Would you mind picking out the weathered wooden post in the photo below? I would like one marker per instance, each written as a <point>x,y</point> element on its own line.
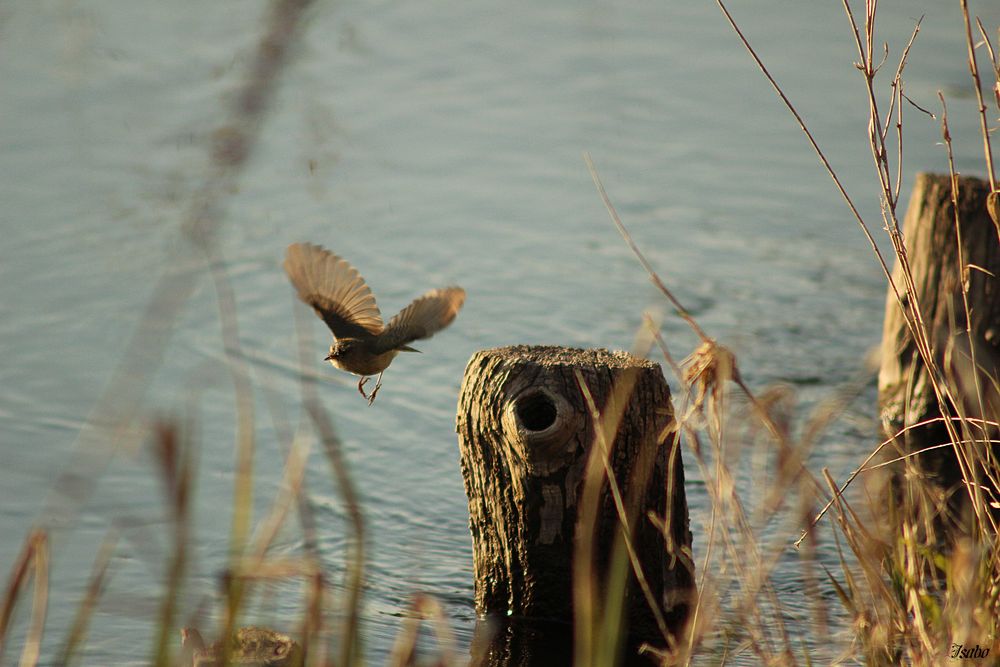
<point>945,253</point>
<point>525,432</point>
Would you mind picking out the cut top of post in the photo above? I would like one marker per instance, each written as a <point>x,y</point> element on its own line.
<point>555,355</point>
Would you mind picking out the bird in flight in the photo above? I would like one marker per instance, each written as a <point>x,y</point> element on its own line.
<point>361,343</point>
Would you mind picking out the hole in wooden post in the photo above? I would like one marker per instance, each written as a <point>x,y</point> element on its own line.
<point>539,423</point>
<point>536,411</point>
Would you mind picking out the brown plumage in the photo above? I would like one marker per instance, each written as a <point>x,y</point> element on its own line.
<point>362,344</point>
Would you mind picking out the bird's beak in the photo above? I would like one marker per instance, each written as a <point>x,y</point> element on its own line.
<point>328,357</point>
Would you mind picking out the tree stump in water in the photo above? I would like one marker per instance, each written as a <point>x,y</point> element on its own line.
<point>943,255</point>
<point>525,432</point>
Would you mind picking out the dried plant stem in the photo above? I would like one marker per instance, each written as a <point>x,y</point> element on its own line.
<point>812,141</point>
<point>404,651</point>
<point>623,518</point>
<point>244,447</point>
<point>914,317</point>
<point>993,62</point>
<point>243,487</point>
<point>970,471</point>
<point>693,438</point>
<point>911,308</point>
<point>39,601</point>
<point>291,489</point>
<point>974,71</point>
<point>32,563</point>
<point>111,422</point>
<point>865,467</point>
<point>922,450</point>
<point>754,577</point>
<point>588,610</point>
<point>351,647</point>
<point>897,99</point>
<point>681,310</point>
<point>752,572</point>
<point>177,470</point>
<point>78,631</point>
<point>332,447</point>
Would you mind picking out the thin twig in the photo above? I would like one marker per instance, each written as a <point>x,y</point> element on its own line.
<point>39,601</point>
<point>897,87</point>
<point>681,310</point>
<point>922,450</point>
<point>98,578</point>
<point>993,61</point>
<point>586,598</point>
<point>974,71</point>
<point>623,518</point>
<point>812,142</point>
<point>839,491</point>
<point>968,470</point>
<point>333,449</point>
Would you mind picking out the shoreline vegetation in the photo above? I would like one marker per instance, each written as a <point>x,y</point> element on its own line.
<point>918,586</point>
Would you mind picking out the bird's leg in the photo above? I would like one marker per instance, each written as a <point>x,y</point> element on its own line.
<point>361,385</point>
<point>378,383</point>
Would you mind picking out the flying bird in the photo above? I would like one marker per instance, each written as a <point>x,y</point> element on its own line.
<point>361,343</point>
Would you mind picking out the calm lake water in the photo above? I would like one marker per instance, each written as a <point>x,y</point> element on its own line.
<point>430,144</point>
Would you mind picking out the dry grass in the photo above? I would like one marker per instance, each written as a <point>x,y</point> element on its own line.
<point>915,589</point>
<point>910,594</point>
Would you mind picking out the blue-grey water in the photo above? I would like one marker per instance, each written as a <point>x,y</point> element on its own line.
<point>430,144</point>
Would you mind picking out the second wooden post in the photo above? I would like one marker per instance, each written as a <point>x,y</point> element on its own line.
<point>953,257</point>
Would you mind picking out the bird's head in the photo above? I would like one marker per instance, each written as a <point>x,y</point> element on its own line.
<point>341,347</point>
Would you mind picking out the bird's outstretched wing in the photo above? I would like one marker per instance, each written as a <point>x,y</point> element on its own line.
<point>423,318</point>
<point>334,289</point>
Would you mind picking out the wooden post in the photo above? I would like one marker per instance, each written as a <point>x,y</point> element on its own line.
<point>967,362</point>
<point>525,432</point>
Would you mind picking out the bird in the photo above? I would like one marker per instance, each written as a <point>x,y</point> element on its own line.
<point>362,345</point>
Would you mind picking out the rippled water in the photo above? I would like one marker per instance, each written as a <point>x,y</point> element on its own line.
<point>429,143</point>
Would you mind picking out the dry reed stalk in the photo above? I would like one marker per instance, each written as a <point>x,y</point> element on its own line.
<point>911,307</point>
<point>234,143</point>
<point>681,310</point>
<point>77,635</point>
<point>877,136</point>
<point>39,603</point>
<point>970,461</point>
<point>917,573</point>
<point>311,628</point>
<point>176,462</point>
<point>351,651</point>
<point>596,628</point>
<point>19,574</point>
<point>637,485</point>
<point>404,650</point>
<point>289,491</point>
<point>812,142</point>
<point>993,61</point>
<point>32,563</point>
<point>974,72</point>
<point>708,370</point>
<point>112,421</point>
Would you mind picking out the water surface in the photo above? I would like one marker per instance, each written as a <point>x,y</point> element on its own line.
<point>429,143</point>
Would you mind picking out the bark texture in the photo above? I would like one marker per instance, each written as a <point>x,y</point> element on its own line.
<point>525,432</point>
<point>967,362</point>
